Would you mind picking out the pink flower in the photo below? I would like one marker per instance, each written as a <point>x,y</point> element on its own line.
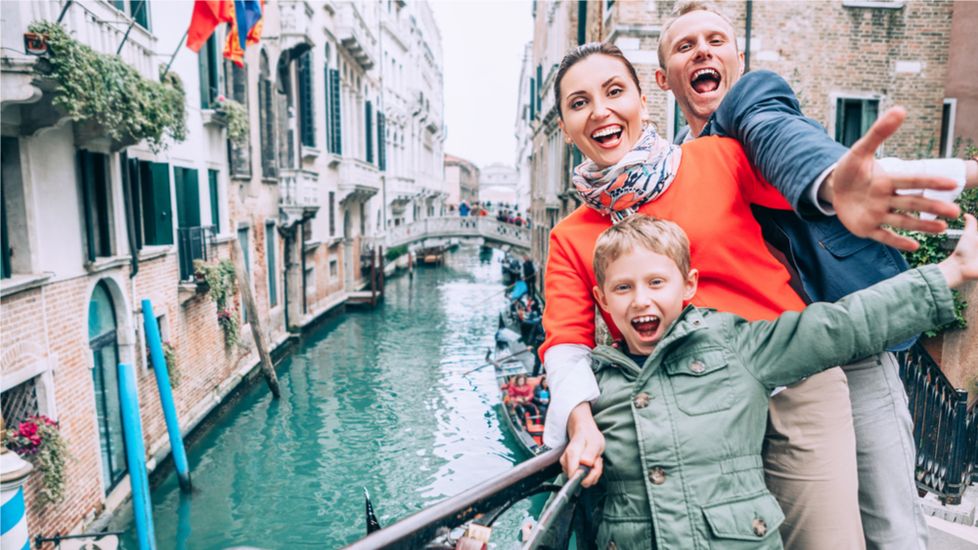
<point>27,429</point>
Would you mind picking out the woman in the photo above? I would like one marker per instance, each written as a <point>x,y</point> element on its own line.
<point>706,186</point>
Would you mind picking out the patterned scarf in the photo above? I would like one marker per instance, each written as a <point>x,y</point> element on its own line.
<point>641,176</point>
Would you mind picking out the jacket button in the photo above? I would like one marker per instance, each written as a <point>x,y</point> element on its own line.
<point>657,475</point>
<point>697,366</point>
<point>641,400</point>
<point>760,527</point>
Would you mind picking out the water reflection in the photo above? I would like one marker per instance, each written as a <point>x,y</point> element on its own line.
<point>371,399</point>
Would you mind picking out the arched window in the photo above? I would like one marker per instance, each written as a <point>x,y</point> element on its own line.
<point>103,340</point>
<point>266,115</point>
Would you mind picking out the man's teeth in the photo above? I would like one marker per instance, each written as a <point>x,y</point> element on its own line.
<point>607,131</point>
<point>702,72</point>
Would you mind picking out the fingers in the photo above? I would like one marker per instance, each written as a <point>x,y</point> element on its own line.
<point>571,459</point>
<point>908,203</point>
<point>890,238</point>
<point>970,223</point>
<point>883,128</point>
<point>595,474</point>
<point>923,182</point>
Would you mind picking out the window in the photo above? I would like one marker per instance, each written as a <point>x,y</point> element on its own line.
<point>209,75</point>
<point>266,119</point>
<point>237,89</point>
<point>363,219</point>
<point>212,187</point>
<point>334,271</point>
<point>853,117</point>
<point>14,230</point>
<point>96,203</point>
<point>20,402</point>
<point>368,130</point>
<point>947,128</point>
<point>103,341</point>
<point>381,142</point>
<point>271,246</point>
<point>581,23</point>
<point>332,214</point>
<point>334,113</point>
<point>137,9</point>
<point>5,270</point>
<point>539,96</point>
<point>149,185</point>
<point>192,236</point>
<point>307,126</point>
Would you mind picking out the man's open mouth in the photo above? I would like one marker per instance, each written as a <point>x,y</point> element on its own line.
<point>646,325</point>
<point>607,134</point>
<point>705,80</point>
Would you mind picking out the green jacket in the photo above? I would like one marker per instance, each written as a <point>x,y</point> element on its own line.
<point>682,465</point>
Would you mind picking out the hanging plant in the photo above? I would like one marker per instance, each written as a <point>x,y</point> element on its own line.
<point>170,357</point>
<point>38,439</point>
<point>237,119</point>
<point>103,89</point>
<point>220,282</point>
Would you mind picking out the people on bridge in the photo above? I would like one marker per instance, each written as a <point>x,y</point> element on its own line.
<point>685,391</point>
<point>708,186</point>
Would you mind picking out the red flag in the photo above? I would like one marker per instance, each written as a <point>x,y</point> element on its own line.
<point>208,14</point>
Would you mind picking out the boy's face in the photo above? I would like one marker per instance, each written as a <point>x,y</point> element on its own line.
<point>644,292</point>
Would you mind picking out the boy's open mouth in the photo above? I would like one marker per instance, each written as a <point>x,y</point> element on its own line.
<point>646,325</point>
<point>705,81</point>
<point>607,135</point>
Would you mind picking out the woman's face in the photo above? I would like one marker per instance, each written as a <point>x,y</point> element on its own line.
<point>602,108</point>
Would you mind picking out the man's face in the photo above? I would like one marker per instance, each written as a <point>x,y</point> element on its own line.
<point>701,64</point>
<point>644,292</point>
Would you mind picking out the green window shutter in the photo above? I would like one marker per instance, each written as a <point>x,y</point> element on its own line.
<point>533,101</point>
<point>215,205</point>
<point>335,112</point>
<point>327,119</point>
<point>271,244</point>
<point>581,22</point>
<point>307,126</point>
<point>207,59</point>
<point>136,200</point>
<point>5,244</point>
<point>95,204</point>
<point>539,96</point>
<point>369,131</point>
<point>157,207</point>
<point>139,11</point>
<point>381,142</point>
<point>188,197</point>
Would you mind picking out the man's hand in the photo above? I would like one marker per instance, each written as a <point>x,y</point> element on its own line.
<point>962,265</point>
<point>585,446</point>
<point>864,195</point>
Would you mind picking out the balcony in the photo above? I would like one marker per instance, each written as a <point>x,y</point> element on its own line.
<point>298,195</point>
<point>355,35</point>
<point>358,180</point>
<point>296,22</point>
<point>194,243</point>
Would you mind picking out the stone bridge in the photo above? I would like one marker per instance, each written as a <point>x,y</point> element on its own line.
<point>490,229</point>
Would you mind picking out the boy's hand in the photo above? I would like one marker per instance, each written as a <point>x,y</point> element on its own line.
<point>585,446</point>
<point>962,265</point>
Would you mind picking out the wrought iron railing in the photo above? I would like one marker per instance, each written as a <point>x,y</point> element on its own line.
<point>193,243</point>
<point>945,430</point>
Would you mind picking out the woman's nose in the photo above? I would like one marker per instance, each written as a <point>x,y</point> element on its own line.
<point>599,109</point>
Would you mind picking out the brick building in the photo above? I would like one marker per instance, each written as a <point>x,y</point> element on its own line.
<point>92,226</point>
<point>847,60</point>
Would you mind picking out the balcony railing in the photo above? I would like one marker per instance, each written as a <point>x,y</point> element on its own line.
<point>355,35</point>
<point>945,431</point>
<point>194,243</point>
<point>298,188</point>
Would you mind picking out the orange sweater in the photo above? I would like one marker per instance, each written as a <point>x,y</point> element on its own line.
<point>710,199</point>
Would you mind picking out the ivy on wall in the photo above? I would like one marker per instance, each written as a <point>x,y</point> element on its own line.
<point>105,90</point>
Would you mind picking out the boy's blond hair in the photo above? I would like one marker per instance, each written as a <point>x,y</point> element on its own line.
<point>659,236</point>
<point>681,8</point>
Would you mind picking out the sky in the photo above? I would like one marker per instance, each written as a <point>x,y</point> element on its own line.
<point>482,45</point>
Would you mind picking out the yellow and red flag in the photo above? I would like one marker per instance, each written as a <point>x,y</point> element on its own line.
<point>246,15</point>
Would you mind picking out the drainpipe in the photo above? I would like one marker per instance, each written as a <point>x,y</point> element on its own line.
<point>747,27</point>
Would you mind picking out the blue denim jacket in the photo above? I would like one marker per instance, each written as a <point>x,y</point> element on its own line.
<point>791,151</point>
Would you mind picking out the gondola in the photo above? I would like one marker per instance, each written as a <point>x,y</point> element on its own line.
<point>512,269</point>
<point>511,358</point>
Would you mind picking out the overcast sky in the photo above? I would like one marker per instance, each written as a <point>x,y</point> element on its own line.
<point>482,43</point>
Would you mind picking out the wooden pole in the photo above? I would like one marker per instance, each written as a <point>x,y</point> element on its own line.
<point>248,301</point>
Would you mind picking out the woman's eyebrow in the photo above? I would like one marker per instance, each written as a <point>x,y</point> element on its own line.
<point>603,85</point>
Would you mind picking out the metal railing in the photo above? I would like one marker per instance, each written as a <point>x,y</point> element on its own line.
<point>945,431</point>
<point>193,243</point>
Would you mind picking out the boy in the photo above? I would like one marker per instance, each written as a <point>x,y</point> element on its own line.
<point>683,403</point>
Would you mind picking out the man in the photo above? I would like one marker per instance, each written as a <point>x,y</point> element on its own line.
<point>806,463</point>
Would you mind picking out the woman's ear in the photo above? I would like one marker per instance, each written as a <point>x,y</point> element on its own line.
<point>563,130</point>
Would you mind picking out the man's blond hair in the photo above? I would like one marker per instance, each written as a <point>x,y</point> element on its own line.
<point>681,8</point>
<point>659,236</point>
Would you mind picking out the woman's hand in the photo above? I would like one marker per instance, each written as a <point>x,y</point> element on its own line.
<point>585,446</point>
<point>962,265</point>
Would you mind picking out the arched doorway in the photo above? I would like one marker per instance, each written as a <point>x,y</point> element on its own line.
<point>104,342</point>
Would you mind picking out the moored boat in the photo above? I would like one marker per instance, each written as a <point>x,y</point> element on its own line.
<point>512,359</point>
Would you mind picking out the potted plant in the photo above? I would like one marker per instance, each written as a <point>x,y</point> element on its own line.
<point>38,439</point>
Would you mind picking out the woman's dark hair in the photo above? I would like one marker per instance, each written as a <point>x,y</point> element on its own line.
<point>581,53</point>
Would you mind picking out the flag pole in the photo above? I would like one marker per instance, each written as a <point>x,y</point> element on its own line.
<point>175,52</point>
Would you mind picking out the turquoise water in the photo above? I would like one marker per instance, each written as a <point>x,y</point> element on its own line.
<point>373,398</point>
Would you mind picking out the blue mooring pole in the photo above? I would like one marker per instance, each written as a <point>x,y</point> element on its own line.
<point>155,345</point>
<point>136,458</point>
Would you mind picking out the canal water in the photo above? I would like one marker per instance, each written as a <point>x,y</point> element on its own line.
<point>372,399</point>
